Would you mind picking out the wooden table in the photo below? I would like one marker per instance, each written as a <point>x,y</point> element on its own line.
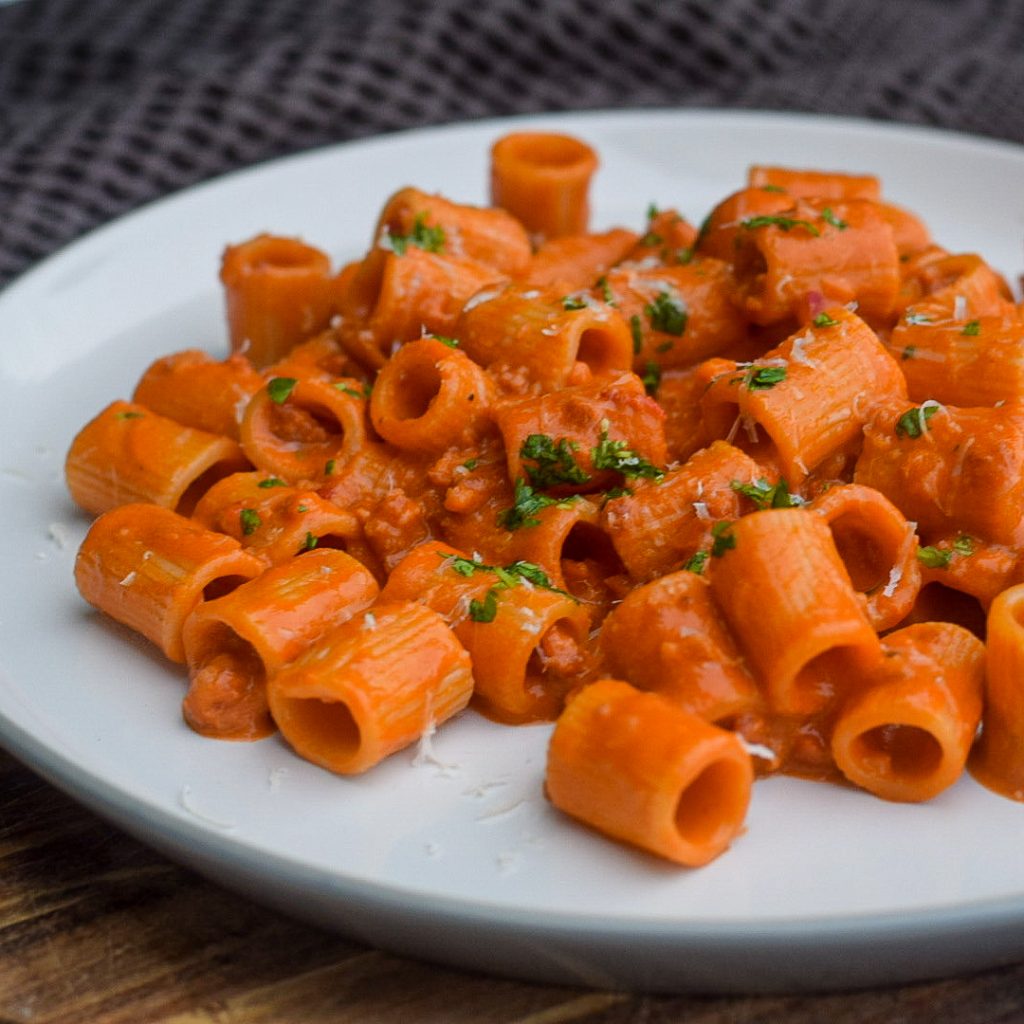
<point>96,927</point>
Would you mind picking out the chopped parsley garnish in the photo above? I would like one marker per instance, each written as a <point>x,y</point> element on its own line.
<point>429,239</point>
<point>651,377</point>
<point>784,223</point>
<point>606,290</point>
<point>830,218</point>
<point>761,378</point>
<point>471,464</point>
<point>908,352</point>
<point>464,566</point>
<point>526,503</point>
<point>128,414</point>
<point>685,256</point>
<point>912,422</point>
<point>572,302</point>
<point>964,545</point>
<point>637,331</point>
<point>652,238</point>
<point>824,320</point>
<point>696,562</point>
<point>508,576</point>
<point>555,462</point>
<point>250,520</point>
<point>280,388</point>
<point>445,340</point>
<point>311,541</point>
<point>652,211</point>
<point>772,188</point>
<point>934,558</point>
<point>618,456</point>
<point>724,539</point>
<point>616,492</point>
<point>329,466</point>
<point>766,495</point>
<point>365,393</point>
<point>972,328</point>
<point>667,314</point>
<point>485,610</point>
<point>273,481</point>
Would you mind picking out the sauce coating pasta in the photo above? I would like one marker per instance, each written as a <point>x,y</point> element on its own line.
<point>718,503</point>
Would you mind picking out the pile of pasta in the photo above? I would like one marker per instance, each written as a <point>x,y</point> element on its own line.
<point>718,502</point>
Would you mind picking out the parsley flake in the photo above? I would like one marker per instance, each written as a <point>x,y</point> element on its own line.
<point>772,188</point>
<point>934,558</point>
<point>667,314</point>
<point>471,464</point>
<point>908,352</point>
<point>280,388</point>
<point>972,328</point>
<point>830,218</point>
<point>485,610</point>
<point>329,466</point>
<point>129,415</point>
<point>606,290</point>
<point>272,481</point>
<point>824,320</point>
<point>250,520</point>
<point>696,562</point>
<point>311,541</point>
<point>429,239</point>
<point>618,456</point>
<point>445,340</point>
<point>964,545</point>
<point>762,378</point>
<point>783,223</point>
<point>766,495</point>
<point>724,539</point>
<point>651,377</point>
<point>637,331</point>
<point>526,503</point>
<point>573,302</point>
<point>555,462</point>
<point>912,423</point>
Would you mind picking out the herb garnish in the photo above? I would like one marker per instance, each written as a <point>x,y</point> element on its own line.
<point>250,520</point>
<point>618,456</point>
<point>913,422</point>
<point>555,462</point>
<point>724,539</point>
<point>280,388</point>
<point>429,239</point>
<point>667,314</point>
<point>784,223</point>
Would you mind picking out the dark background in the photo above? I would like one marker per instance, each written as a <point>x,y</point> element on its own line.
<point>105,104</point>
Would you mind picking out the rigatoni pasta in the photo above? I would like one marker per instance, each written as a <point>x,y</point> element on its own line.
<point>718,503</point>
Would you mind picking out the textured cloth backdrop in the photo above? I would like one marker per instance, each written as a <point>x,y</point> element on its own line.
<point>105,104</point>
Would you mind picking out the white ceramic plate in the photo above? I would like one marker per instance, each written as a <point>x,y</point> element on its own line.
<point>458,858</point>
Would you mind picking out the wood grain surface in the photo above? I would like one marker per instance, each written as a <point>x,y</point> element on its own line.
<point>95,927</point>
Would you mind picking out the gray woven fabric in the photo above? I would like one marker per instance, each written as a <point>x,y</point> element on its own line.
<point>106,104</point>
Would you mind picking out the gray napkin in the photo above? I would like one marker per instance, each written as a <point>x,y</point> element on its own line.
<point>105,104</point>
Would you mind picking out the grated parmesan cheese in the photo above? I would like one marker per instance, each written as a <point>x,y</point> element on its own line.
<point>895,575</point>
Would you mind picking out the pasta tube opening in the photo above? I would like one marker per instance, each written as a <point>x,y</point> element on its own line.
<point>293,428</point>
<point>227,696</point>
<point>600,349</point>
<point>896,749</point>
<point>329,730</point>
<point>712,806</point>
